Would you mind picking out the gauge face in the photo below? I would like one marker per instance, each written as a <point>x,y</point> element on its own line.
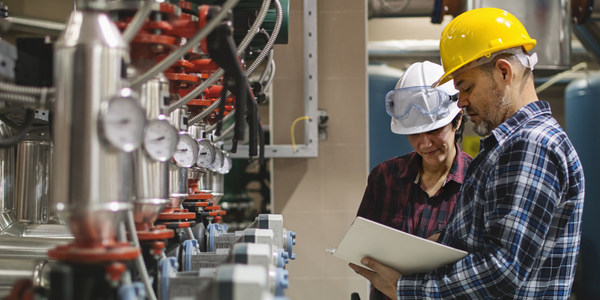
<point>122,123</point>
<point>227,163</point>
<point>187,151</point>
<point>218,164</point>
<point>206,154</point>
<point>160,139</point>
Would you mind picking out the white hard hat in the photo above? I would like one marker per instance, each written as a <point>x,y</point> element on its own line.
<point>415,107</point>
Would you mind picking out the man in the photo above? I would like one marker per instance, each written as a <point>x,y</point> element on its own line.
<point>519,210</point>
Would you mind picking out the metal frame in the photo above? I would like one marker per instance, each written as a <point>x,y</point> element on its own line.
<point>310,148</point>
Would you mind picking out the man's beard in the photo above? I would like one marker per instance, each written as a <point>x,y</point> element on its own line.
<point>495,114</point>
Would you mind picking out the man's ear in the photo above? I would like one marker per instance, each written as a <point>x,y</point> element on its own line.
<point>506,70</point>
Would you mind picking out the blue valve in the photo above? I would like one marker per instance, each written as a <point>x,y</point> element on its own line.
<point>291,241</point>
<point>190,248</point>
<point>132,291</point>
<point>281,281</point>
<point>214,230</point>
<point>282,258</point>
<point>166,265</point>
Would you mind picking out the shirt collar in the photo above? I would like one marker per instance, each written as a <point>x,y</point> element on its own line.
<point>527,112</point>
<point>457,171</point>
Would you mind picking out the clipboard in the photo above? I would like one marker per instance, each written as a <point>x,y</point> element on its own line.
<point>404,252</point>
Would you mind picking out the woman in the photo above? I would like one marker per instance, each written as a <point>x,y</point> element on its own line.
<point>416,192</point>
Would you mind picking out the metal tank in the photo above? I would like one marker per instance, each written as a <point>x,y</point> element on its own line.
<point>178,177</point>
<point>33,181</point>
<point>151,176</point>
<point>218,186</point>
<point>581,109</point>
<point>383,143</point>
<point>88,178</point>
<point>549,22</point>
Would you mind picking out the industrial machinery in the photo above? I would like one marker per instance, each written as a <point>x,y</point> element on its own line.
<point>112,158</point>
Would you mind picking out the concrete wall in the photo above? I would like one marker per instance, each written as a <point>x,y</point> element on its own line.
<point>319,197</point>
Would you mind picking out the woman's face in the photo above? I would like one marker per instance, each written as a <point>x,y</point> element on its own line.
<point>434,146</point>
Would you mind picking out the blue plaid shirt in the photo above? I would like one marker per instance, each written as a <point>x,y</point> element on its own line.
<point>518,216</point>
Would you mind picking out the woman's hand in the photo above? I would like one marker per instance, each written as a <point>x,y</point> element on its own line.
<point>434,237</point>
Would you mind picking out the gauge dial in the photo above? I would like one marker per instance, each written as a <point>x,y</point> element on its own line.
<point>122,123</point>
<point>218,164</point>
<point>227,163</point>
<point>160,139</point>
<point>206,154</point>
<point>187,151</point>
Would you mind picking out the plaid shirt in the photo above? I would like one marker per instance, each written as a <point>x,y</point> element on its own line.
<point>394,196</point>
<point>518,217</point>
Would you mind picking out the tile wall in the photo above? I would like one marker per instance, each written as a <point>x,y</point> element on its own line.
<point>319,197</point>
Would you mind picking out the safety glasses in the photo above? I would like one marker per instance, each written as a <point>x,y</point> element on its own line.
<point>410,102</point>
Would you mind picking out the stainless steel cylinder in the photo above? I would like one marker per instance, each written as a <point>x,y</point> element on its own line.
<point>7,182</point>
<point>396,8</point>
<point>47,231</point>
<point>205,184</point>
<point>549,22</point>
<point>7,173</point>
<point>28,248</point>
<point>218,190</point>
<point>88,179</point>
<point>151,176</point>
<point>12,270</point>
<point>33,181</point>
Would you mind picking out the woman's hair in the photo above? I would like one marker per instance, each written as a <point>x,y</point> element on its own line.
<point>461,127</point>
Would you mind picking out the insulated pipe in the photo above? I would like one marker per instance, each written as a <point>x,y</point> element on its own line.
<point>12,247</point>
<point>7,174</point>
<point>12,270</point>
<point>33,181</point>
<point>414,8</point>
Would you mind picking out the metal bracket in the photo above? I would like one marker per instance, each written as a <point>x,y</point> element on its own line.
<point>310,148</point>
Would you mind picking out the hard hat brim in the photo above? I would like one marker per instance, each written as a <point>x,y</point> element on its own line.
<point>450,74</point>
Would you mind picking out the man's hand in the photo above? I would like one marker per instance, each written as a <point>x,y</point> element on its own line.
<point>384,278</point>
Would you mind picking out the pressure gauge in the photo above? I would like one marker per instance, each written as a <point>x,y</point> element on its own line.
<point>227,163</point>
<point>187,151</point>
<point>218,164</point>
<point>122,122</point>
<point>160,139</point>
<point>206,154</point>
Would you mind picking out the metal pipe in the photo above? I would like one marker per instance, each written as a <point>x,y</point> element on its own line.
<point>87,174</point>
<point>178,177</point>
<point>7,174</point>
<point>419,8</point>
<point>33,181</point>
<point>12,247</point>
<point>138,21</point>
<point>193,42</point>
<point>12,270</point>
<point>217,75</point>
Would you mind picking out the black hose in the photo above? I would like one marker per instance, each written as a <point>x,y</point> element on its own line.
<point>22,131</point>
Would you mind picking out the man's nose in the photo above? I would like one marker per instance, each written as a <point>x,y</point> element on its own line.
<point>463,100</point>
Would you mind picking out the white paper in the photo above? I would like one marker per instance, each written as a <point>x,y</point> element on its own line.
<point>404,252</point>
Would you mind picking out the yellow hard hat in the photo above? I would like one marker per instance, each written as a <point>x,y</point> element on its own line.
<point>478,33</point>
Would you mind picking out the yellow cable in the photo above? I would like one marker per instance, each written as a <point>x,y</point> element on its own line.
<point>294,125</point>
